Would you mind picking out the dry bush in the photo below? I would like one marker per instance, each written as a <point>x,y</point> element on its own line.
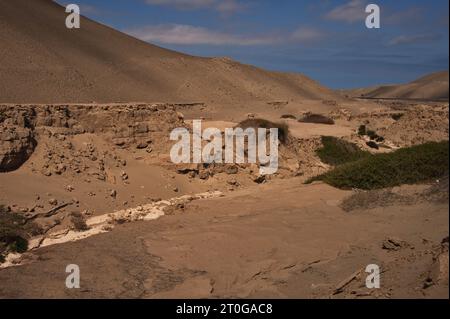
<point>288,116</point>
<point>316,119</point>
<point>365,200</point>
<point>283,128</point>
<point>439,191</point>
<point>78,221</point>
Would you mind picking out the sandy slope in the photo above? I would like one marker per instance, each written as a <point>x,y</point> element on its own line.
<point>43,61</point>
<point>430,87</point>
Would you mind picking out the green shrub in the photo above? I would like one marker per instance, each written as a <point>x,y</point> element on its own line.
<point>12,236</point>
<point>410,165</point>
<point>14,232</point>
<point>336,151</point>
<point>18,244</point>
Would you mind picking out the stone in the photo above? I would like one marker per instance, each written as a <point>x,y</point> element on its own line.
<point>393,244</point>
<point>59,169</point>
<point>141,128</point>
<point>203,175</point>
<point>187,169</point>
<point>142,145</point>
<point>372,144</point>
<point>231,169</point>
<point>260,179</point>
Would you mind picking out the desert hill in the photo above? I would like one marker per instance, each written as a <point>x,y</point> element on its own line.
<point>429,87</point>
<point>44,62</point>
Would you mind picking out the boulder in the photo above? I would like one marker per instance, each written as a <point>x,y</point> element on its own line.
<point>231,169</point>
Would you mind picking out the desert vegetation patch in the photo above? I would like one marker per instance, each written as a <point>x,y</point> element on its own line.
<point>410,165</point>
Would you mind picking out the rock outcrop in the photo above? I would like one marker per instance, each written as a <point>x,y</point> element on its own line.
<point>16,146</point>
<point>22,127</point>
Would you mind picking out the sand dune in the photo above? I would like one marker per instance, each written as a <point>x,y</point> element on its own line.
<point>430,87</point>
<point>44,62</point>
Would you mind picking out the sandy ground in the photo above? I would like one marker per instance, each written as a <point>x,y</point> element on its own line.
<point>284,240</point>
<point>278,239</point>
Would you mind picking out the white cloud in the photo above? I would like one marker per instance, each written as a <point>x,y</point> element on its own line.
<point>412,39</point>
<point>410,16</point>
<point>351,12</point>
<point>230,6</point>
<point>191,35</point>
<point>186,34</point>
<point>306,34</point>
<point>222,6</point>
<point>84,8</point>
<point>88,9</point>
<point>183,4</point>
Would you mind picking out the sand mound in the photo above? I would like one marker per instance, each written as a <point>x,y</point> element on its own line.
<point>430,87</point>
<point>44,62</point>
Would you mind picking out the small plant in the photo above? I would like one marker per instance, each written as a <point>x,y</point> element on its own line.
<point>362,130</point>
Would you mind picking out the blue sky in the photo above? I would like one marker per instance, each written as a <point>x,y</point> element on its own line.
<point>324,39</point>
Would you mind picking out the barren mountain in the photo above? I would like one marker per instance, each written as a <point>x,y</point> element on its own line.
<point>430,87</point>
<point>44,62</point>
